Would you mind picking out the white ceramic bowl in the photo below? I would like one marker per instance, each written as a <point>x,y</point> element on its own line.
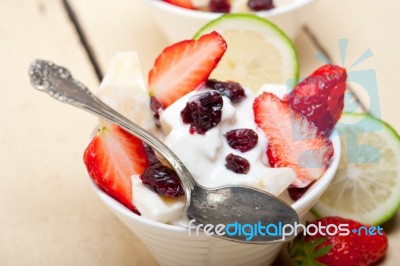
<point>179,23</point>
<point>171,245</point>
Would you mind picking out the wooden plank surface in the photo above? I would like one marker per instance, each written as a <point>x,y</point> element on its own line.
<point>121,25</point>
<point>48,213</point>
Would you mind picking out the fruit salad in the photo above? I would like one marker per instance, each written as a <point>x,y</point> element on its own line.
<point>228,6</point>
<point>224,132</point>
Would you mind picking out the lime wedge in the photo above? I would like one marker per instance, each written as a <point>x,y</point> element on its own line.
<point>258,51</point>
<point>366,187</point>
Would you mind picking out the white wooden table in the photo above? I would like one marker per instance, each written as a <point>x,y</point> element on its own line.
<point>48,213</point>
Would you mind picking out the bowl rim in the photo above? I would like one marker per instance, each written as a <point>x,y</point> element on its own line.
<point>312,194</point>
<point>209,15</point>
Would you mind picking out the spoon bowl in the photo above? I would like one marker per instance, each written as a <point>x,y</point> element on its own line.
<point>239,208</point>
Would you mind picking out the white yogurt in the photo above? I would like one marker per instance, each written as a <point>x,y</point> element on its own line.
<point>208,151</point>
<point>155,207</point>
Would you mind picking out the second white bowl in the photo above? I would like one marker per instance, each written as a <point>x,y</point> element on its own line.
<point>180,24</point>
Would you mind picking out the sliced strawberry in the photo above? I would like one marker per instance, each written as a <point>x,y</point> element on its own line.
<point>320,97</point>
<point>111,158</point>
<point>331,245</point>
<point>184,67</point>
<point>181,3</point>
<point>293,141</point>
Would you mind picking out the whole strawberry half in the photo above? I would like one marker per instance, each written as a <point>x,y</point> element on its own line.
<point>181,3</point>
<point>356,249</point>
<point>111,158</point>
<point>293,141</point>
<point>320,97</point>
<point>184,67</point>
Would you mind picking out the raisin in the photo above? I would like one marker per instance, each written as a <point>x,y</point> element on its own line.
<point>296,193</point>
<point>243,139</point>
<point>237,164</point>
<point>220,6</point>
<point>233,90</point>
<point>203,112</point>
<point>259,5</point>
<point>163,180</point>
<point>156,107</point>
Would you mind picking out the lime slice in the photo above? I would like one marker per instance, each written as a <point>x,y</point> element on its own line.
<point>258,51</point>
<point>366,187</point>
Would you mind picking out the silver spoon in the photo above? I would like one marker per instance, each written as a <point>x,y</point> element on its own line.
<point>230,206</point>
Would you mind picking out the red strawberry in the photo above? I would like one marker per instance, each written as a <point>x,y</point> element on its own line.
<point>320,97</point>
<point>181,3</point>
<point>359,248</point>
<point>111,158</point>
<point>293,141</point>
<point>184,67</point>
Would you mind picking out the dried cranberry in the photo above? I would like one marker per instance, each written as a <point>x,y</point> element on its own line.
<point>259,5</point>
<point>220,6</point>
<point>233,90</point>
<point>296,193</point>
<point>150,154</point>
<point>156,107</point>
<point>203,112</point>
<point>237,164</point>
<point>163,180</point>
<point>243,139</point>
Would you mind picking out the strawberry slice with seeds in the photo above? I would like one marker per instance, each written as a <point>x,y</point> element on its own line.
<point>335,247</point>
<point>111,158</point>
<point>184,67</point>
<point>293,141</point>
<point>182,3</point>
<point>320,97</point>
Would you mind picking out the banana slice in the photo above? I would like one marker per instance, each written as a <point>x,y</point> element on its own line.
<point>124,89</point>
